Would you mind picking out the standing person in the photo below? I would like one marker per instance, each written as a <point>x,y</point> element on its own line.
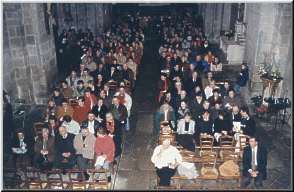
<point>166,158</point>
<point>84,143</point>
<point>242,78</point>
<point>119,111</point>
<point>254,163</point>
<point>114,128</point>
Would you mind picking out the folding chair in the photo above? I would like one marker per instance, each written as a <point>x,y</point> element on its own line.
<point>11,180</point>
<point>98,184</point>
<point>227,152</point>
<point>33,179</point>
<point>206,144</point>
<point>55,180</point>
<point>77,179</point>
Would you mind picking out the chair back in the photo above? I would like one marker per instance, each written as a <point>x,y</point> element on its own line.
<point>206,143</point>
<point>226,141</point>
<point>96,183</point>
<point>54,179</point>
<point>112,85</point>
<point>11,180</point>
<point>33,179</point>
<point>77,179</point>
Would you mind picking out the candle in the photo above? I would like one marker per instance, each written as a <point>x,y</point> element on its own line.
<point>165,115</point>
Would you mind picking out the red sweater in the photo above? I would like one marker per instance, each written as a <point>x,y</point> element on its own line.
<point>88,101</point>
<point>80,114</point>
<point>105,145</point>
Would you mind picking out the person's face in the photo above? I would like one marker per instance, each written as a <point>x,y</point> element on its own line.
<point>115,101</point>
<point>51,122</point>
<point>56,93</point>
<point>198,58</point>
<point>162,77</point>
<point>226,85</point>
<point>166,144</point>
<point>215,94</point>
<point>87,94</point>
<point>82,66</point>
<point>205,115</point>
<point>64,85</point>
<point>209,75</point>
<point>81,85</point>
<point>20,135</point>
<point>51,103</point>
<point>220,116</point>
<point>183,105</point>
<point>235,109</point>
<point>231,94</point>
<point>45,133</point>
<point>187,118</point>
<point>183,94</point>
<point>206,105</point>
<point>64,104</point>
<point>243,113</point>
<point>91,117</point>
<point>62,131</point>
<point>252,142</point>
<point>81,102</point>
<point>73,74</point>
<point>100,102</point>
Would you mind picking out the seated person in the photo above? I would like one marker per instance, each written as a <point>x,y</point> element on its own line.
<point>71,125</point>
<point>216,65</point>
<point>57,97</point>
<point>104,151</point>
<point>215,98</point>
<point>185,132</point>
<point>100,110</point>
<point>225,88</point>
<point>52,126</point>
<point>44,151</point>
<point>206,123</point>
<point>90,99</point>
<point>84,143</point>
<point>221,125</point>
<point>72,80</point>
<point>65,157</point>
<point>81,111</point>
<point>22,150</point>
<point>79,89</point>
<point>208,91</point>
<point>196,106</point>
<point>247,122</point>
<point>183,110</point>
<point>51,110</point>
<point>63,110</point>
<point>66,91</point>
<point>166,158</point>
<point>231,100</point>
<point>234,114</point>
<point>91,123</point>
<point>164,113</point>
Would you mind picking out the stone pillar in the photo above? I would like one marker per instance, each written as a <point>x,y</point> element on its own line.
<point>29,53</point>
<point>269,33</point>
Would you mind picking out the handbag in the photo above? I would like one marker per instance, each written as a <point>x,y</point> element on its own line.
<point>210,172</point>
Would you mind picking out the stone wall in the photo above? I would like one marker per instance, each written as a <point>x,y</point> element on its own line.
<point>83,15</point>
<point>269,40</point>
<point>29,63</point>
<point>217,17</point>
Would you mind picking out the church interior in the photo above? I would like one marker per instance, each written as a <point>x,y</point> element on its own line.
<point>147,96</point>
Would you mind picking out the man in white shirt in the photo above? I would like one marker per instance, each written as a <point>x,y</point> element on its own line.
<point>166,158</point>
<point>71,125</point>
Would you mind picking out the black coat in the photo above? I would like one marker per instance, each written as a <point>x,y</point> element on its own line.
<point>261,160</point>
<point>222,125</point>
<point>102,112</point>
<point>64,145</point>
<point>96,125</point>
<point>249,128</point>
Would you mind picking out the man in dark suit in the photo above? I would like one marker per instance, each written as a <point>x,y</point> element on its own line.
<point>119,111</point>
<point>247,122</point>
<point>91,123</point>
<point>193,82</point>
<point>254,163</point>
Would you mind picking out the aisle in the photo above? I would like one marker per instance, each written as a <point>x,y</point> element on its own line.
<point>135,170</point>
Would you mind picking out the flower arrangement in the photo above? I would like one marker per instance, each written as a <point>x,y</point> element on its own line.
<point>269,71</point>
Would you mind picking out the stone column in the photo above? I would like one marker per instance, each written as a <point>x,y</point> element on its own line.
<point>29,54</point>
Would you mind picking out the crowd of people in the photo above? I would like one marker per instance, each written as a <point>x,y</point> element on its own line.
<point>191,95</point>
<point>89,110</point>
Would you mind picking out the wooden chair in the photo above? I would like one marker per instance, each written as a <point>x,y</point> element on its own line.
<point>112,85</point>
<point>208,162</point>
<point>73,103</point>
<point>38,126</point>
<point>55,180</point>
<point>77,179</point>
<point>206,144</point>
<point>98,184</point>
<point>227,152</point>
<point>33,179</point>
<point>243,142</point>
<point>11,180</point>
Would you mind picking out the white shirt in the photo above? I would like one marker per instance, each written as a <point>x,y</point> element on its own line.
<point>72,127</point>
<point>91,127</point>
<point>182,124</point>
<point>255,151</point>
<point>208,92</point>
<point>165,157</point>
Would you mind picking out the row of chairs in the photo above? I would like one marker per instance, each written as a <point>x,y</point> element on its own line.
<point>32,178</point>
<point>209,155</point>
